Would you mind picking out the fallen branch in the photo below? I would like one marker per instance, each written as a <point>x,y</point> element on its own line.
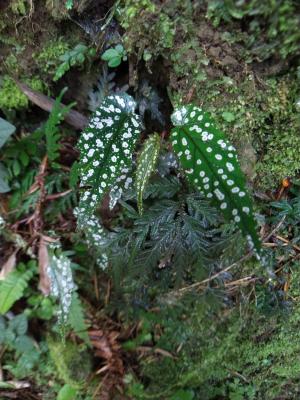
<point>73,118</point>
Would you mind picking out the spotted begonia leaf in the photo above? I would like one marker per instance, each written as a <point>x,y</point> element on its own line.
<point>61,280</point>
<point>95,236</point>
<point>106,147</point>
<point>210,163</point>
<point>145,166</point>
<point>123,182</point>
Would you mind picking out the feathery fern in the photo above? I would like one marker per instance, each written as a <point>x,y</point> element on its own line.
<point>76,318</point>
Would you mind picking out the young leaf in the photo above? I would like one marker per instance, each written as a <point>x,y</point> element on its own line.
<point>146,165</point>
<point>106,147</point>
<point>211,164</point>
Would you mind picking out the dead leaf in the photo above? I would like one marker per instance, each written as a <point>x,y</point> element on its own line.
<point>17,385</point>
<point>44,281</point>
<point>9,265</point>
<point>107,348</point>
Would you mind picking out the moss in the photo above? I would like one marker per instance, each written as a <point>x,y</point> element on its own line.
<point>11,97</point>
<point>73,365</point>
<point>206,62</point>
<point>48,59</point>
<point>222,353</point>
<point>19,7</point>
<point>57,9</point>
<point>149,30</point>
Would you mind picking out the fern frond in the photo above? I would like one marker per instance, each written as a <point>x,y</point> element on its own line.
<point>104,87</point>
<point>211,164</point>
<point>12,288</point>
<point>146,165</point>
<point>76,319</point>
<point>51,129</point>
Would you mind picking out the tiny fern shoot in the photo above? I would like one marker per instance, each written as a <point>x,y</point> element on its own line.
<point>210,163</point>
<point>106,148</point>
<point>146,165</point>
<point>51,129</point>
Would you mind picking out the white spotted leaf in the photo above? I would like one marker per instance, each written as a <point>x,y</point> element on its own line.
<point>211,165</point>
<point>146,165</point>
<point>123,183</point>
<point>106,147</point>
<point>61,281</point>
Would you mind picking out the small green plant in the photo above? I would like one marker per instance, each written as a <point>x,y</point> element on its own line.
<point>14,338</point>
<point>114,56</point>
<point>69,4</point>
<point>51,128</point>
<point>208,160</point>
<point>72,58</point>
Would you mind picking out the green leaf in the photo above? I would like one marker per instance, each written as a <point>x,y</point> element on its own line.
<point>106,148</point>
<point>67,392</point>
<point>109,54</point>
<point>69,4</point>
<point>76,318</point>
<point>114,62</point>
<point>12,288</point>
<point>3,177</point>
<point>120,49</point>
<point>146,165</point>
<point>228,116</point>
<point>210,163</point>
<point>6,130</point>
<point>19,324</point>
<point>183,395</point>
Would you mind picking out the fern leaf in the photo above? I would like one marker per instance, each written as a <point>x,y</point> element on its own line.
<point>104,87</point>
<point>146,165</point>
<point>76,319</point>
<point>106,148</point>
<point>51,129</point>
<point>12,288</point>
<point>211,164</point>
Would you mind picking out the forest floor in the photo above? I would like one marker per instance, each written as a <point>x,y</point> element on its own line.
<point>154,295</point>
